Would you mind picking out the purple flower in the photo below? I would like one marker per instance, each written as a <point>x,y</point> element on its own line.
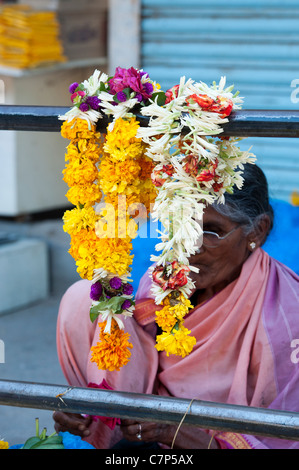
<point>126,304</point>
<point>96,291</point>
<point>121,96</point>
<point>84,107</point>
<point>128,289</point>
<point>148,88</point>
<point>139,97</point>
<point>115,283</point>
<point>142,73</point>
<point>93,102</point>
<point>73,87</point>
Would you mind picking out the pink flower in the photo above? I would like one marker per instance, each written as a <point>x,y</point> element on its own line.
<point>76,97</point>
<point>130,78</point>
<point>110,422</point>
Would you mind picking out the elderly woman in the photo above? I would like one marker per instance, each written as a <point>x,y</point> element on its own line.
<point>244,320</point>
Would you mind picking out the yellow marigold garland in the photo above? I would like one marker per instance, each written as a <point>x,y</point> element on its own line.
<point>101,238</point>
<point>81,175</point>
<point>119,171</point>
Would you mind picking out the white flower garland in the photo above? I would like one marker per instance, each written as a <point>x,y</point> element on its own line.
<point>180,192</point>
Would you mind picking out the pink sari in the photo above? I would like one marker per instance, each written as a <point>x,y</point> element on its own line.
<point>243,353</point>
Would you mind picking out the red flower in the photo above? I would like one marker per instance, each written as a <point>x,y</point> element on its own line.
<point>191,165</point>
<point>110,422</point>
<point>204,101</point>
<point>157,176</point>
<point>159,277</point>
<point>207,174</point>
<point>217,186</point>
<point>171,278</point>
<point>178,277</point>
<point>168,169</point>
<point>220,105</point>
<point>172,93</point>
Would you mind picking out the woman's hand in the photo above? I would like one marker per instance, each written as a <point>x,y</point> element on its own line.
<point>71,422</point>
<point>188,437</point>
<point>149,432</point>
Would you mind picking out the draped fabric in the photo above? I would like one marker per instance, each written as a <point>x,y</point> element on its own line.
<point>244,352</point>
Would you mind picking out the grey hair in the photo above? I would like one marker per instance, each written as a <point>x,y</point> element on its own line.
<point>248,205</point>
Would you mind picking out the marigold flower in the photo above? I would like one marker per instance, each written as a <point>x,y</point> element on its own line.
<point>81,194</point>
<point>78,219</point>
<point>178,342</point>
<point>146,167</point>
<point>112,352</point>
<point>77,128</point>
<point>80,172</point>
<point>4,445</point>
<point>165,319</point>
<point>121,143</point>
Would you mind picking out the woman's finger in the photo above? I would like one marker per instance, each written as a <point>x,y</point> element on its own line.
<point>73,423</point>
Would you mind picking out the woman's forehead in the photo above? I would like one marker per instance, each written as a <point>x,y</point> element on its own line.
<point>212,216</point>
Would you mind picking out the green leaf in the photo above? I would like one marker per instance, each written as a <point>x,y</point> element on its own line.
<point>161,97</point>
<point>31,442</point>
<point>51,446</point>
<point>53,442</point>
<point>114,304</point>
<point>102,87</point>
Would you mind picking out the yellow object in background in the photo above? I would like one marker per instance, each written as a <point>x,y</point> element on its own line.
<point>295,198</point>
<point>29,38</point>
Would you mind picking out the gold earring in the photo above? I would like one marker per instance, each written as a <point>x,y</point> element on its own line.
<point>252,245</point>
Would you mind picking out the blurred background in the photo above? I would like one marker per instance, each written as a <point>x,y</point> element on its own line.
<point>45,45</point>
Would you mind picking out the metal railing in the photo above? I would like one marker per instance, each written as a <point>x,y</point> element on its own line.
<point>245,123</point>
<point>210,415</point>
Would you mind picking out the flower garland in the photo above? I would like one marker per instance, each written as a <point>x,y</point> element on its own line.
<point>162,169</point>
<point>101,234</point>
<point>198,172</point>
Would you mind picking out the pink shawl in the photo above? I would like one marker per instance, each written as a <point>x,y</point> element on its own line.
<point>243,353</point>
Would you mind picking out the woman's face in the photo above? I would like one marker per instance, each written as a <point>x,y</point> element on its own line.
<point>220,266</point>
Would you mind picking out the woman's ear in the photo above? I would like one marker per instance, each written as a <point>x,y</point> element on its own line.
<point>258,236</point>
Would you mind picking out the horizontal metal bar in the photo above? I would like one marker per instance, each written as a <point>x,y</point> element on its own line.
<point>244,123</point>
<point>207,415</point>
